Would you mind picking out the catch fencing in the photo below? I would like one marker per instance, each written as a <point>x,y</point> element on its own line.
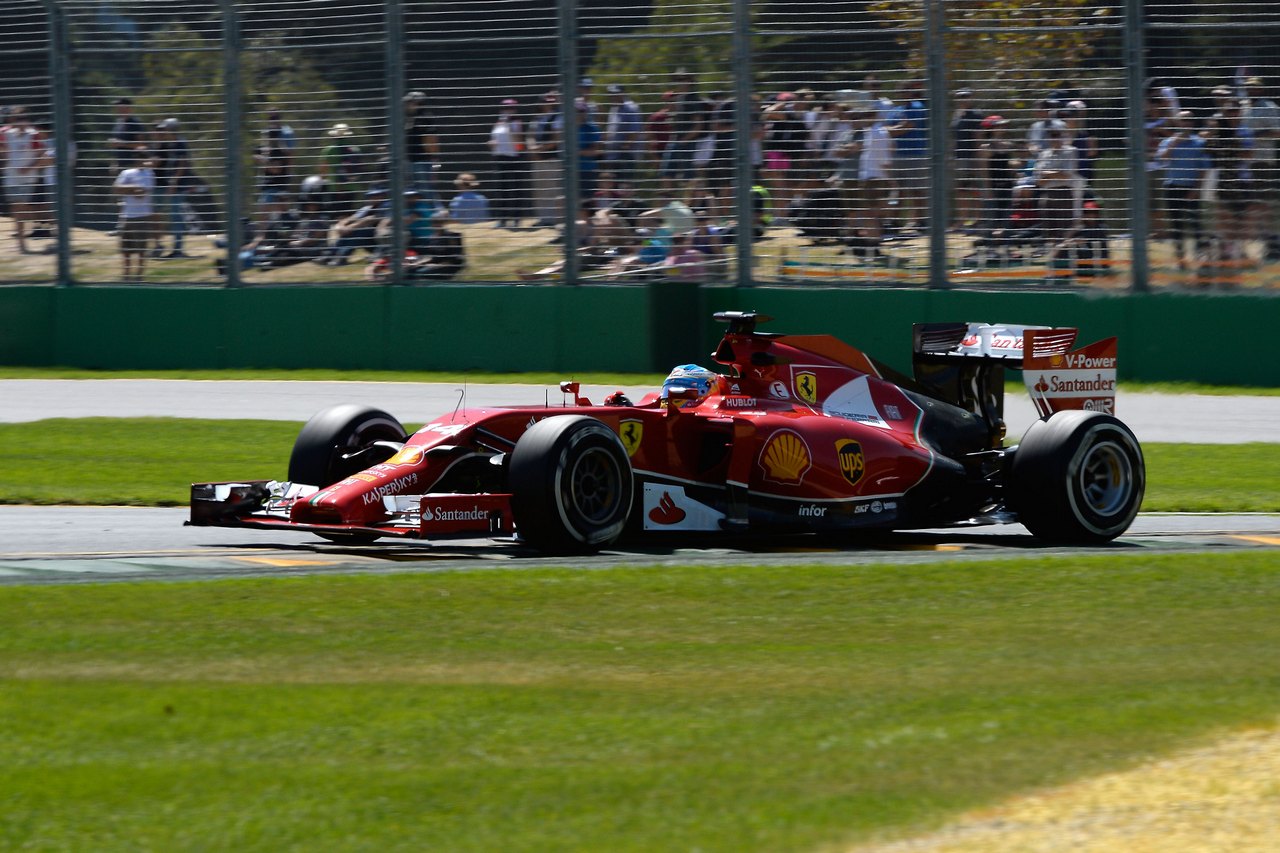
<point>1065,144</point>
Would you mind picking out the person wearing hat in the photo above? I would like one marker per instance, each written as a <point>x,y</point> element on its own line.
<point>422,144</point>
<point>506,147</point>
<point>343,168</point>
<point>1057,173</point>
<point>134,187</point>
<point>1262,117</point>
<point>173,179</point>
<point>468,206</point>
<point>909,126</point>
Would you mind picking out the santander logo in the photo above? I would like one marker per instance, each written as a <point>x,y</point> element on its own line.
<point>666,512</point>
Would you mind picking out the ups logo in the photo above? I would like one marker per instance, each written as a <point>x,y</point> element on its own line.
<point>852,463</point>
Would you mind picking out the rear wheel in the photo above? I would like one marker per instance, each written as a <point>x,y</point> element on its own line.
<point>1078,478</point>
<point>571,485</point>
<point>339,442</point>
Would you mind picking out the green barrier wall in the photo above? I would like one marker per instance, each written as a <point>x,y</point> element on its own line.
<point>1221,339</point>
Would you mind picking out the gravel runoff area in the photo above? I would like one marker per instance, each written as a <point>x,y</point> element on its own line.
<point>1221,797</point>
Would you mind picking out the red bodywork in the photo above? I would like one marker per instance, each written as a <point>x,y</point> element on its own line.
<point>803,432</point>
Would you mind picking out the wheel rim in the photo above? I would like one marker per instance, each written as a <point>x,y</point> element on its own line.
<point>1106,479</point>
<point>594,486</point>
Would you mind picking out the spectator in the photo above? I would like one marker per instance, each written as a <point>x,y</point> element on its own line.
<point>688,125</point>
<point>288,139</point>
<point>784,146</point>
<point>657,129</point>
<point>1184,161</point>
<point>1058,179</point>
<point>588,159</point>
<point>875,177</point>
<point>718,170</point>
<point>266,243</point>
<point>506,145</point>
<point>999,165</point>
<point>1046,115</point>
<point>443,256</point>
<point>686,261</point>
<point>1231,145</point>
<point>24,162</point>
<point>422,144</point>
<point>1086,144</point>
<point>546,168</point>
<point>127,134</point>
<point>173,177</point>
<point>586,97</point>
<point>135,187</point>
<point>1261,116</point>
<point>966,122</point>
<point>909,126</point>
<point>468,206</point>
<point>342,167</point>
<point>272,162</point>
<point>1156,124</point>
<point>359,230</point>
<point>623,134</point>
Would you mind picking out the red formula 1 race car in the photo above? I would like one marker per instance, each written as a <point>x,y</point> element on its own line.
<point>795,434</point>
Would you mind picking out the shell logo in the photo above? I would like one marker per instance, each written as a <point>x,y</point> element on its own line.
<point>409,455</point>
<point>786,458</point>
<point>1055,361</point>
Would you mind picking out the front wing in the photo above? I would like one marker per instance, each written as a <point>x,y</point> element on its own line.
<point>266,504</point>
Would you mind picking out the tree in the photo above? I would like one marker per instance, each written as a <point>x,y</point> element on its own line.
<point>1022,45</point>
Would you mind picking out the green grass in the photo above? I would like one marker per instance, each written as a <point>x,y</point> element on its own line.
<point>673,708</point>
<point>318,375</point>
<point>590,378</point>
<point>151,461</point>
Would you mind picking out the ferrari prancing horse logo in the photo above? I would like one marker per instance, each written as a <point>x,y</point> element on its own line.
<point>631,431</point>
<point>807,387</point>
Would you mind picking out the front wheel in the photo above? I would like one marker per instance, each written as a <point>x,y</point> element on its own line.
<point>341,441</point>
<point>571,485</point>
<point>1078,478</point>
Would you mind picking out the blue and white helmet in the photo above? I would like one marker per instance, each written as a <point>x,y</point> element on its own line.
<point>689,376</point>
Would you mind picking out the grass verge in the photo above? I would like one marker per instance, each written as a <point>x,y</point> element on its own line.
<point>733,708</point>
<point>628,379</point>
<point>151,461</point>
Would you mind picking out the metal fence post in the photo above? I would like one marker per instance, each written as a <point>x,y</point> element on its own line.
<point>939,174</point>
<point>567,29</point>
<point>744,201</point>
<point>232,116</point>
<point>395,73</point>
<point>1136,166</point>
<point>60,75</point>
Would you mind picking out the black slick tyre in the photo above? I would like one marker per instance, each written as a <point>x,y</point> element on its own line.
<point>339,441</point>
<point>571,485</point>
<point>1077,478</point>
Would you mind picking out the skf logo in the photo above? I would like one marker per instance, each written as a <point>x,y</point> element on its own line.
<point>631,431</point>
<point>785,458</point>
<point>852,463</point>
<point>807,387</point>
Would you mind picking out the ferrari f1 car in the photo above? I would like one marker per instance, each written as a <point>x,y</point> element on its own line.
<point>795,434</point>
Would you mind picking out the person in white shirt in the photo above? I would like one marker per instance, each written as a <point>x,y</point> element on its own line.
<point>135,187</point>
<point>506,144</point>
<point>875,164</point>
<point>24,161</point>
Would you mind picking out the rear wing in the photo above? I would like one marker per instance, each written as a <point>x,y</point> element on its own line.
<point>960,362</point>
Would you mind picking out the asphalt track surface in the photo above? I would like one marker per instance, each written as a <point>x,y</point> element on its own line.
<point>96,544</point>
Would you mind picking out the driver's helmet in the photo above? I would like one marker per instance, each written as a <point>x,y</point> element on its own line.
<point>689,376</point>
